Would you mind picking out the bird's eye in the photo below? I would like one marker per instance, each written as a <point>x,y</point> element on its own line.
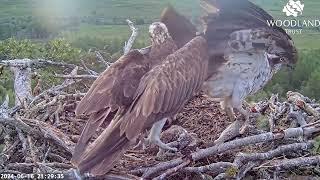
<point>282,59</point>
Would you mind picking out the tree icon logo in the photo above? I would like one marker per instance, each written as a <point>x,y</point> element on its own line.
<point>293,8</point>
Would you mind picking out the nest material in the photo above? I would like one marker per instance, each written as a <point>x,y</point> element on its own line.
<point>40,139</point>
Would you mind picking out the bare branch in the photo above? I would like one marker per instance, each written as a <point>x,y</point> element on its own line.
<point>172,170</point>
<point>242,158</point>
<point>292,163</point>
<point>56,89</point>
<point>87,69</point>
<point>4,108</point>
<point>214,168</point>
<point>84,76</point>
<point>102,60</point>
<point>129,44</point>
<point>23,63</point>
<point>266,137</point>
<point>148,172</point>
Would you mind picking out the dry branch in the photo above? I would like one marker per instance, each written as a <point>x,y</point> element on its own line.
<point>128,45</point>
<point>214,168</point>
<point>102,60</point>
<point>23,63</point>
<point>243,158</point>
<point>172,171</point>
<point>148,172</point>
<point>266,137</point>
<point>4,108</point>
<point>85,76</point>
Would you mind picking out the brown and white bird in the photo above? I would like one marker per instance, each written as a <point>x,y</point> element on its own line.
<point>144,90</point>
<point>113,92</point>
<point>244,52</point>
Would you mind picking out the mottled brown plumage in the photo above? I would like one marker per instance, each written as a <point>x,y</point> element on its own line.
<point>113,92</point>
<point>180,28</point>
<point>161,93</point>
<point>244,50</point>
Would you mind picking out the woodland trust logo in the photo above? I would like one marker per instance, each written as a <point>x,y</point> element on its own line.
<point>294,9</point>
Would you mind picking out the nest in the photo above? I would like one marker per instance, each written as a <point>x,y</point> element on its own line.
<point>40,137</point>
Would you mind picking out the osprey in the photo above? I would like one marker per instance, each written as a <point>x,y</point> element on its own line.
<point>138,92</point>
<point>113,92</point>
<point>244,52</point>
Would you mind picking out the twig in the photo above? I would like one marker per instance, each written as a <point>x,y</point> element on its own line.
<point>101,59</point>
<point>56,89</point>
<point>148,172</point>
<point>297,116</point>
<point>266,137</point>
<point>23,141</point>
<point>84,76</point>
<point>243,171</point>
<point>172,170</point>
<point>92,72</point>
<point>46,155</point>
<point>128,45</point>
<point>242,158</point>
<point>46,131</point>
<point>292,163</point>
<point>4,107</point>
<point>28,165</point>
<point>23,63</point>
<point>214,168</point>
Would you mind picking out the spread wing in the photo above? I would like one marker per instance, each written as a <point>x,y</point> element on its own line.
<point>167,87</point>
<point>113,91</point>
<point>240,25</point>
<point>179,27</point>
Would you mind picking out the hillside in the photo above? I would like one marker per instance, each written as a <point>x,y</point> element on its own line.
<point>100,24</point>
<point>77,19</point>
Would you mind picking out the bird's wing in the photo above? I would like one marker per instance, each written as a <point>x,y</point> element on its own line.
<point>167,87</point>
<point>240,25</point>
<point>161,93</point>
<point>113,91</point>
<point>233,16</point>
<point>116,85</point>
<point>179,27</point>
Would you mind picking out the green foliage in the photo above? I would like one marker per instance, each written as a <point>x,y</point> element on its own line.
<point>6,87</point>
<point>56,50</point>
<point>100,25</point>
<point>263,122</point>
<point>316,149</point>
<point>12,49</point>
<point>59,49</point>
<point>304,78</point>
<point>312,87</point>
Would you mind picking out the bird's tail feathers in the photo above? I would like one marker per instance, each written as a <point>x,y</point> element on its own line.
<point>100,156</point>
<point>94,122</point>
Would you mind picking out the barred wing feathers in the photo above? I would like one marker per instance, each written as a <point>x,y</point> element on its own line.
<point>161,93</point>
<point>112,92</point>
<point>116,86</point>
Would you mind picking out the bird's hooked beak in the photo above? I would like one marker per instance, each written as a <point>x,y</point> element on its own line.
<point>277,59</point>
<point>272,56</point>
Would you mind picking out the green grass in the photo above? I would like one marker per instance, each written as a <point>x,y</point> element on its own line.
<point>145,9</point>
<point>80,8</point>
<point>105,31</point>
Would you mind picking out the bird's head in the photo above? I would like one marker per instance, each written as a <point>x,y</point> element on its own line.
<point>158,33</point>
<point>283,55</point>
